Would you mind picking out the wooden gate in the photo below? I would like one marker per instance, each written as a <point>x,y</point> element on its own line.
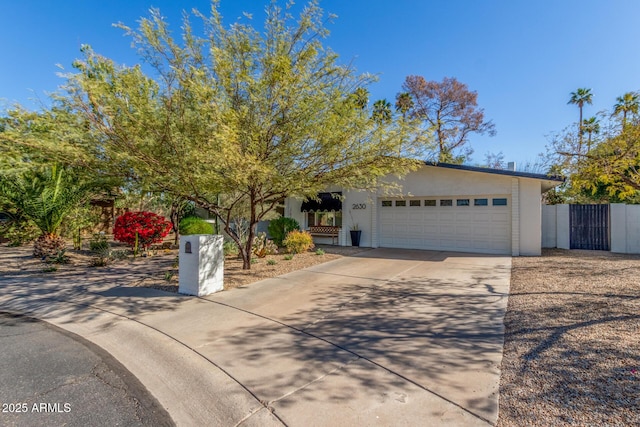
<point>589,225</point>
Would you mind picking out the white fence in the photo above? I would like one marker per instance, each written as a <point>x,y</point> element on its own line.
<point>624,227</point>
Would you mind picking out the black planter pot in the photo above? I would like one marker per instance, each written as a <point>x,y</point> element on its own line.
<point>355,237</point>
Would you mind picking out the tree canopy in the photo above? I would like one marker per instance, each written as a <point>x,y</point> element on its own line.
<point>607,168</point>
<point>234,119</point>
<point>449,109</point>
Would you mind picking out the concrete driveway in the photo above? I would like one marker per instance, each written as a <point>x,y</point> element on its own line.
<point>388,337</point>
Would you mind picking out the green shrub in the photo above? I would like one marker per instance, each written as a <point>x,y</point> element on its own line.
<point>18,231</point>
<point>280,227</point>
<point>58,258</point>
<point>194,225</point>
<point>263,246</point>
<point>297,242</point>
<point>319,251</point>
<point>271,262</point>
<point>288,257</point>
<point>230,247</point>
<point>98,243</point>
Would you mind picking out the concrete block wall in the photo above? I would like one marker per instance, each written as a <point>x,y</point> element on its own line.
<point>624,227</point>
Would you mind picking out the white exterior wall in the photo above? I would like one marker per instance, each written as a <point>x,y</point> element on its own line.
<point>618,221</point>
<point>438,181</point>
<point>562,227</point>
<point>530,217</point>
<point>625,228</point>
<point>523,195</point>
<point>358,208</point>
<point>515,217</point>
<point>549,229</point>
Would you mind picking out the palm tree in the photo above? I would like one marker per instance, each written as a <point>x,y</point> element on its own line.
<point>627,103</point>
<point>580,97</point>
<point>361,97</point>
<point>46,197</point>
<point>591,126</point>
<point>404,103</point>
<point>381,111</point>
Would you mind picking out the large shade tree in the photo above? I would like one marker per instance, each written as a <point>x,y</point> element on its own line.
<point>449,109</point>
<point>237,119</point>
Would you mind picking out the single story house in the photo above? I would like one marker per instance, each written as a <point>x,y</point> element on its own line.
<point>439,207</point>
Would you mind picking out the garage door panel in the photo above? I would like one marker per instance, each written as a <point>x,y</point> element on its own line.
<point>484,229</point>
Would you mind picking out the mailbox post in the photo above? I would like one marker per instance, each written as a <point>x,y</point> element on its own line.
<point>201,264</point>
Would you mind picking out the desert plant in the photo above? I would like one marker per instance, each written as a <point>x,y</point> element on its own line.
<point>18,231</point>
<point>58,258</point>
<point>263,246</point>
<point>280,227</point>
<point>319,251</point>
<point>140,229</point>
<point>230,248</point>
<point>288,257</point>
<point>48,245</point>
<point>98,242</point>
<point>271,262</point>
<point>195,225</point>
<point>45,196</point>
<point>297,242</point>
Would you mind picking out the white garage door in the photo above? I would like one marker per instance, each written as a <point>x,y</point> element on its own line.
<point>479,224</point>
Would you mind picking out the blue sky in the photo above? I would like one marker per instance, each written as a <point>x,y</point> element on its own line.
<point>522,57</point>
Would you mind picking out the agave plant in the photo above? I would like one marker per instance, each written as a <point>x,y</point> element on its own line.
<point>45,196</point>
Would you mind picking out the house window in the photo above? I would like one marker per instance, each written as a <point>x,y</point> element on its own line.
<point>462,202</point>
<point>429,202</point>
<point>500,202</point>
<point>414,202</point>
<point>446,202</point>
<point>480,202</point>
<point>324,218</point>
<point>401,203</point>
<point>386,203</point>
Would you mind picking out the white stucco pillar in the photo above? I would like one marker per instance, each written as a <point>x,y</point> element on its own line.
<point>201,264</point>
<point>549,230</point>
<point>618,224</point>
<point>562,227</point>
<point>515,217</point>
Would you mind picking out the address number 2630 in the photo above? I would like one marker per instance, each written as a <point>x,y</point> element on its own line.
<point>359,206</point>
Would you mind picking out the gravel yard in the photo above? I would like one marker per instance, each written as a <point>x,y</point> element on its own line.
<point>163,269</point>
<point>572,341</point>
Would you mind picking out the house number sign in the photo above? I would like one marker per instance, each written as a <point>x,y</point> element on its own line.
<point>359,206</point>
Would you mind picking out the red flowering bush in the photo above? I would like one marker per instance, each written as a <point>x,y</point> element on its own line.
<point>151,228</point>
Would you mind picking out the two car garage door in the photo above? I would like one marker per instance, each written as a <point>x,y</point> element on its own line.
<point>480,224</point>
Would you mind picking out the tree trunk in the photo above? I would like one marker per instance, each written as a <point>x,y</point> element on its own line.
<point>253,223</point>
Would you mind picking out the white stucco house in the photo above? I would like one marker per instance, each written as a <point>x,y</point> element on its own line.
<point>439,207</point>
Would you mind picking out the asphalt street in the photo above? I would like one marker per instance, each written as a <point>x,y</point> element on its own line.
<point>49,376</point>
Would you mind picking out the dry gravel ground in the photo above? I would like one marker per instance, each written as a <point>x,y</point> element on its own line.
<point>164,275</point>
<point>572,341</point>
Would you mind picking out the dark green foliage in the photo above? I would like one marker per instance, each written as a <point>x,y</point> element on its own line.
<point>279,228</point>
<point>195,225</point>
<point>98,243</point>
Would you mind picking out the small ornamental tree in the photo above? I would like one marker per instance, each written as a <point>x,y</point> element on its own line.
<point>141,229</point>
